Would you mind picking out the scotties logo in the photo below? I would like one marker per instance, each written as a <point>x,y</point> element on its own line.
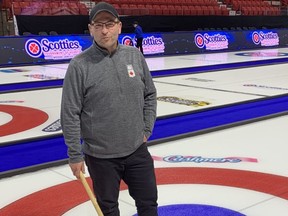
<point>211,42</point>
<point>199,40</point>
<point>256,38</point>
<point>61,49</point>
<point>265,39</point>
<point>33,48</point>
<point>128,41</point>
<point>152,44</point>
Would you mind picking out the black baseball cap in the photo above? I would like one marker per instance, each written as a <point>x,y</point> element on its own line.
<point>100,7</point>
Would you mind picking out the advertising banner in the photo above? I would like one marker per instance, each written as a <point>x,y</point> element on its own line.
<point>41,49</point>
<point>62,48</point>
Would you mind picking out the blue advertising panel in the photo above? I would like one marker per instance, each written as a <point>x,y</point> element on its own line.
<point>37,49</point>
<point>55,49</point>
<point>264,39</point>
<point>200,42</point>
<point>152,43</point>
<point>213,41</point>
<point>179,43</point>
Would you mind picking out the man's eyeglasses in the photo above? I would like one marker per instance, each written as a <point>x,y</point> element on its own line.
<point>108,25</point>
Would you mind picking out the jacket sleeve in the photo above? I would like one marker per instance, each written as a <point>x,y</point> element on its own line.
<point>71,107</point>
<point>150,101</point>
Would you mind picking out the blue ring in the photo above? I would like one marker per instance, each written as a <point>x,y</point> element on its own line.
<point>195,209</point>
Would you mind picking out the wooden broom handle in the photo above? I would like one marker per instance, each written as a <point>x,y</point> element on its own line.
<point>90,194</point>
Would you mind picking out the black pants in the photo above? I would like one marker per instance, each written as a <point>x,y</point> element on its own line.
<point>139,44</point>
<point>137,171</point>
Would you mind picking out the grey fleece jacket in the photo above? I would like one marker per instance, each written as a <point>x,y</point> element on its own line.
<point>108,102</point>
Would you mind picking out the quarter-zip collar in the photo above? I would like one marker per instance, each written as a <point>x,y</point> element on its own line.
<point>103,50</point>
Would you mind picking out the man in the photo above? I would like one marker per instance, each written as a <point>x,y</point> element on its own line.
<point>109,102</point>
<point>138,35</point>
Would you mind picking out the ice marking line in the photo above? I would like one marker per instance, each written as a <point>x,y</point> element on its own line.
<point>221,90</point>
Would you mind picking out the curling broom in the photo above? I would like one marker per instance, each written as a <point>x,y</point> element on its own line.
<point>90,194</point>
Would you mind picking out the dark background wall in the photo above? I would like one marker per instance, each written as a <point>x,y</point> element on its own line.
<point>191,23</point>
<point>78,24</point>
<point>72,24</point>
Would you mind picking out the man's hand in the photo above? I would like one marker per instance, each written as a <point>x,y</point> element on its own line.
<point>144,139</point>
<point>76,168</point>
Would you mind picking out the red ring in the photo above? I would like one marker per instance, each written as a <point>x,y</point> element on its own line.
<point>24,118</point>
<point>59,199</point>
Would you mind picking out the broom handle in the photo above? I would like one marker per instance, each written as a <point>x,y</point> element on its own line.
<point>90,194</point>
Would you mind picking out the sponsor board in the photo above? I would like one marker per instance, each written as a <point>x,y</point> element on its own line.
<point>181,101</point>
<point>211,41</point>
<point>200,159</point>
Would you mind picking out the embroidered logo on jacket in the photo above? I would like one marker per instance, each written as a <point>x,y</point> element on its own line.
<point>130,71</point>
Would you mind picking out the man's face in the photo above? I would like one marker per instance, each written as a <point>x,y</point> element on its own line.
<point>105,29</point>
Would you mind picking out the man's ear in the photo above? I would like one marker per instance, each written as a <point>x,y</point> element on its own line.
<point>89,27</point>
<point>120,29</point>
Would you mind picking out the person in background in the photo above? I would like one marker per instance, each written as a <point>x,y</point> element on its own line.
<point>139,36</point>
<point>108,111</point>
